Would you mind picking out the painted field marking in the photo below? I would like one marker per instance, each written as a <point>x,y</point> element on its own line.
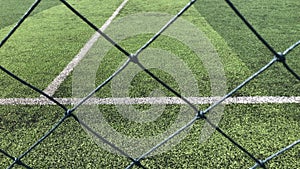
<point>155,100</point>
<point>53,86</point>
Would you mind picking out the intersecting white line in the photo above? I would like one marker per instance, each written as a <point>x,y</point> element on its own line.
<point>50,90</point>
<point>155,100</point>
<point>53,86</point>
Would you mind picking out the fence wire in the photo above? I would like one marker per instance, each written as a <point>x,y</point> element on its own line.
<point>199,114</point>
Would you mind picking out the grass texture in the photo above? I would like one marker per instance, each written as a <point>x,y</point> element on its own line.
<point>52,36</point>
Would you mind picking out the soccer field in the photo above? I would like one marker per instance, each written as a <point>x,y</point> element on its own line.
<point>211,94</point>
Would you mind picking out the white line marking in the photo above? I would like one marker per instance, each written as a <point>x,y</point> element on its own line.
<point>155,100</point>
<point>50,90</point>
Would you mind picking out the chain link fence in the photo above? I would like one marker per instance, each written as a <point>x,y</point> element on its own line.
<point>279,57</point>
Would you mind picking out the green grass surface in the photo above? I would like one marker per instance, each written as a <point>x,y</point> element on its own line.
<point>45,43</point>
<point>9,15</point>
<point>262,129</point>
<point>276,22</point>
<point>50,38</point>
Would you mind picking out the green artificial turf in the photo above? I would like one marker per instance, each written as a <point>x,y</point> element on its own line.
<point>52,36</point>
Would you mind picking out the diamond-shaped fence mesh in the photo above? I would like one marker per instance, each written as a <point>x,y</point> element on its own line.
<point>133,58</point>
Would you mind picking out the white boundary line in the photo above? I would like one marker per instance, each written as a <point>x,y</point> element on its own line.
<point>53,86</point>
<point>155,100</point>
